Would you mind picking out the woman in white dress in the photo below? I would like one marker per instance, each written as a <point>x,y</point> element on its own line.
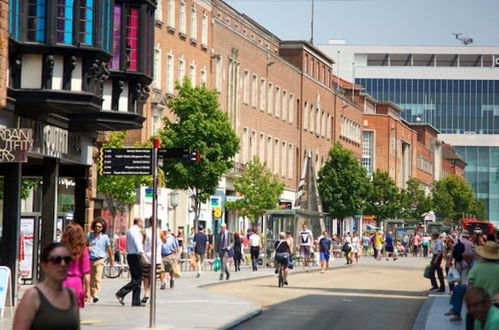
<point>355,246</point>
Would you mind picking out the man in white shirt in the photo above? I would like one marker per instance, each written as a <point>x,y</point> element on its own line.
<point>135,257</point>
<point>255,247</point>
<point>305,239</point>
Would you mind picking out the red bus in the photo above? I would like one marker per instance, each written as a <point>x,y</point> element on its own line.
<point>476,226</point>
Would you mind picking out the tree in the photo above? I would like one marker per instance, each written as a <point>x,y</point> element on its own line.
<point>119,190</point>
<point>453,198</point>
<point>415,201</point>
<point>383,199</point>
<point>202,126</point>
<point>261,191</point>
<point>27,184</point>
<point>343,184</point>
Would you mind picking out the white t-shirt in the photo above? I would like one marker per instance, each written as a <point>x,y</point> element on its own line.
<point>148,245</point>
<point>254,240</point>
<point>305,237</point>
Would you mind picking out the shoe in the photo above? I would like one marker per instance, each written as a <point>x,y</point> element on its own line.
<point>433,289</point>
<point>172,283</point>
<point>276,271</point>
<point>120,299</point>
<point>285,282</point>
<point>145,299</point>
<point>95,299</point>
<point>386,259</point>
<point>450,313</point>
<point>227,278</point>
<point>163,286</point>
<point>198,274</point>
<point>221,277</point>
<point>456,317</point>
<point>138,305</point>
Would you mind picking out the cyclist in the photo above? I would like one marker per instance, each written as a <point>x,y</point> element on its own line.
<point>282,253</point>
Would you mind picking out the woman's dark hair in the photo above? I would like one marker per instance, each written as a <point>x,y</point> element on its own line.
<point>102,222</point>
<point>44,257</point>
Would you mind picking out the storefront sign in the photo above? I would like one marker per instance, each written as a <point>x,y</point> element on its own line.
<point>14,143</point>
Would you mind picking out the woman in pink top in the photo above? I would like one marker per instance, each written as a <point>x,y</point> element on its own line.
<point>79,269</point>
<point>416,240</point>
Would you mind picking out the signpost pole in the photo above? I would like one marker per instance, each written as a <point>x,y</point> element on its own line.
<point>154,230</point>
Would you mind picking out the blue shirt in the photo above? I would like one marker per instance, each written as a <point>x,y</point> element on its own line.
<point>134,241</point>
<point>170,245</point>
<point>389,241</point>
<point>98,244</point>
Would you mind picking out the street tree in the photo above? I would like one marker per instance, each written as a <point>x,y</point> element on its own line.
<point>383,198</point>
<point>259,188</point>
<point>453,198</point>
<point>415,202</point>
<point>343,184</point>
<point>201,125</point>
<point>119,190</point>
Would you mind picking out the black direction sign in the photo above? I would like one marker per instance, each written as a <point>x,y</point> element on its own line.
<point>126,161</point>
<point>178,154</point>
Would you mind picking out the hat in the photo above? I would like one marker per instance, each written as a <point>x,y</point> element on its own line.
<point>465,233</point>
<point>489,250</point>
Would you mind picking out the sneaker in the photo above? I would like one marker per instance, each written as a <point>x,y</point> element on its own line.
<point>95,299</point>
<point>163,286</point>
<point>456,318</point>
<point>120,300</point>
<point>198,274</point>
<point>285,282</point>
<point>228,275</point>
<point>172,283</point>
<point>450,313</point>
<point>221,277</point>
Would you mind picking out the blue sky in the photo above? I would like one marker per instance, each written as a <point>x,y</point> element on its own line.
<point>398,22</point>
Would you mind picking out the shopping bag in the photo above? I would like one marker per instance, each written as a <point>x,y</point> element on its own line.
<point>217,264</point>
<point>427,271</point>
<point>453,275</point>
<point>176,269</point>
<point>290,263</point>
<point>192,260</point>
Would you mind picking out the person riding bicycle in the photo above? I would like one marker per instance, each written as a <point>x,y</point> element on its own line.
<point>282,253</point>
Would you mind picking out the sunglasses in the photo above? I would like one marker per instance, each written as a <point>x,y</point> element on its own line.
<point>58,259</point>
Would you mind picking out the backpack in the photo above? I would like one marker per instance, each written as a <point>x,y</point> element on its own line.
<point>458,251</point>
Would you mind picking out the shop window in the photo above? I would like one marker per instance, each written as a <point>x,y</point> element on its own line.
<point>64,28</point>
<point>115,63</point>
<point>36,20</point>
<point>132,42</point>
<point>86,21</point>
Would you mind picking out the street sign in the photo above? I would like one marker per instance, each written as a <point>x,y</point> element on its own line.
<point>217,212</point>
<point>178,154</point>
<point>215,201</point>
<point>126,161</point>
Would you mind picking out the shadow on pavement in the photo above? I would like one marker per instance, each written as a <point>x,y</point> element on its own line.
<point>338,312</point>
<point>363,291</point>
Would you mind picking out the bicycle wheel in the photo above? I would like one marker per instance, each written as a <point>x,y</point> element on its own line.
<point>112,271</point>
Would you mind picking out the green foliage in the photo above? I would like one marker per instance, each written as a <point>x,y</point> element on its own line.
<point>453,198</point>
<point>343,183</point>
<point>27,184</point>
<point>414,201</point>
<point>119,190</point>
<point>383,199</point>
<point>202,126</point>
<point>261,190</point>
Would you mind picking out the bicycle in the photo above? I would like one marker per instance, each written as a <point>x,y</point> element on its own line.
<point>112,271</point>
<point>281,275</point>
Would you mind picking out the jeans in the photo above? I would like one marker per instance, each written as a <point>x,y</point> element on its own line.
<point>457,297</point>
<point>255,253</point>
<point>425,251</point>
<point>135,265</point>
<point>436,260</point>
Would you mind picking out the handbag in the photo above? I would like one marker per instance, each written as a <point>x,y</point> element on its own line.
<point>290,263</point>
<point>426,272</point>
<point>176,269</point>
<point>453,275</point>
<point>346,247</point>
<point>217,264</point>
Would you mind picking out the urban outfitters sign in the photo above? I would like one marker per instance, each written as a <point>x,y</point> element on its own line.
<point>14,143</point>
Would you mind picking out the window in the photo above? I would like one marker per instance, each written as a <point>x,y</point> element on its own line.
<point>290,161</point>
<point>132,41</point>
<point>317,121</point>
<point>181,18</point>
<point>157,67</point>
<point>87,20</point>
<point>204,29</point>
<point>218,76</point>
<point>269,153</point>
<point>106,23</point>
<point>263,95</point>
<point>305,116</point>
<point>170,74</point>
<point>158,13</point>
<point>284,153</point>
<point>270,100</point>
<point>171,14</point>
<point>192,73</point>
<point>245,146</point>
<point>246,87</point>
<point>64,28</point>
<point>261,147</point>
<point>115,62</point>
<point>36,20</point>
<point>194,23</point>
<point>323,124</point>
<point>277,101</point>
<point>284,105</point>
<point>328,127</point>
<point>202,77</point>
<point>156,121</point>
<point>291,109</point>
<point>276,156</point>
<point>254,91</point>
<point>253,144</point>
<point>181,69</point>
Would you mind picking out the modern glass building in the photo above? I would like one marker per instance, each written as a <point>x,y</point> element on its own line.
<point>456,89</point>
